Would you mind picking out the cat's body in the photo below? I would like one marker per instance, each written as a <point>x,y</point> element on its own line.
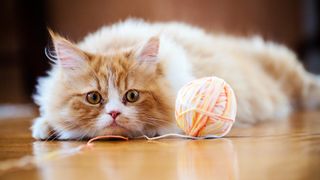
<point>154,61</point>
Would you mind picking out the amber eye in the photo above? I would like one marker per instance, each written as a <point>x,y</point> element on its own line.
<point>94,97</point>
<point>132,96</point>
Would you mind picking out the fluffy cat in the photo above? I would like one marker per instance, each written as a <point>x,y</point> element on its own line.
<point>123,79</point>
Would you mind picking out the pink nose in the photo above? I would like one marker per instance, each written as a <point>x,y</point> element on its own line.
<point>114,114</point>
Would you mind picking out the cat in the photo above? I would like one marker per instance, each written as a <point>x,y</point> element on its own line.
<point>123,79</point>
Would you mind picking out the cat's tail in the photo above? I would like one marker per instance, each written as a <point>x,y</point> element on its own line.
<point>311,98</point>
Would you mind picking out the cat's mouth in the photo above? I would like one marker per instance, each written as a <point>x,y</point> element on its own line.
<point>115,124</point>
<point>117,127</point>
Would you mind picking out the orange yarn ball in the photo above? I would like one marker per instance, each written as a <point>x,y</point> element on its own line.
<point>206,107</point>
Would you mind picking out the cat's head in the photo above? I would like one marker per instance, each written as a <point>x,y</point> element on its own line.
<point>119,93</point>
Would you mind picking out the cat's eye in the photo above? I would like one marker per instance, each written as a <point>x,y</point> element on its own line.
<point>93,97</point>
<point>132,96</point>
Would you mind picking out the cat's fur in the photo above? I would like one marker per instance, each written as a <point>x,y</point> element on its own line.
<point>157,59</point>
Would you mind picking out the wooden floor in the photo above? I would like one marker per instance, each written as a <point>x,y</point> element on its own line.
<point>275,150</point>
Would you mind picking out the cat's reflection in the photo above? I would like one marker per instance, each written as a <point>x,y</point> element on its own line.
<point>139,159</point>
<point>54,159</point>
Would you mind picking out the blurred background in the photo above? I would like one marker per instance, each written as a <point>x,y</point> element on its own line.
<point>294,23</point>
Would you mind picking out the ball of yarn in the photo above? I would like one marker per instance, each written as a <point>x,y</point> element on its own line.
<point>206,107</point>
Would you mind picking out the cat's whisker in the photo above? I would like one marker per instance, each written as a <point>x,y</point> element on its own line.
<point>159,120</point>
<point>81,137</point>
<point>86,134</point>
<point>145,122</point>
<point>141,132</point>
<point>51,133</point>
<point>155,123</point>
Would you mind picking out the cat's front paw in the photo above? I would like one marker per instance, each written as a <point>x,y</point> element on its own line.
<point>40,129</point>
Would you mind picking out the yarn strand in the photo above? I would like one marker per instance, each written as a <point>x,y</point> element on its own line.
<point>180,136</point>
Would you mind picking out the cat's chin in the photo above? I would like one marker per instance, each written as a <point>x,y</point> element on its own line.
<point>117,130</point>
<point>121,131</point>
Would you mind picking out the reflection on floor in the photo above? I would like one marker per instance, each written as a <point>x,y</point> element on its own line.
<point>274,150</point>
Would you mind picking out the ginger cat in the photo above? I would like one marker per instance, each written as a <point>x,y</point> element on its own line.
<point>123,79</point>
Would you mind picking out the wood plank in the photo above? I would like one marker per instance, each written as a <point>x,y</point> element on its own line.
<point>289,149</point>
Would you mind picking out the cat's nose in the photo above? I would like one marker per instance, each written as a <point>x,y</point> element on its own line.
<point>114,114</point>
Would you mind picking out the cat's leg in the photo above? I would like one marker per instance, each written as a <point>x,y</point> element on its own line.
<point>41,129</point>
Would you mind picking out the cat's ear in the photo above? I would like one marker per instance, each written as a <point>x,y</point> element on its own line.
<point>150,50</point>
<point>65,53</point>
